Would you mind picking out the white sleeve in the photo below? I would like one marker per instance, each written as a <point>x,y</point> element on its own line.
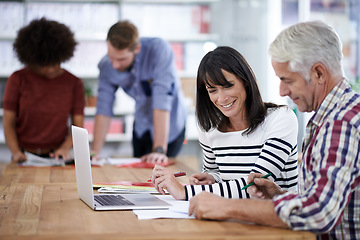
<point>278,156</point>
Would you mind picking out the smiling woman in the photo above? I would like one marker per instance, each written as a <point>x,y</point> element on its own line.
<point>238,132</point>
<point>230,101</point>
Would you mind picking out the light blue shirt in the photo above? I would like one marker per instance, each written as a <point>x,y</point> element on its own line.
<point>153,83</point>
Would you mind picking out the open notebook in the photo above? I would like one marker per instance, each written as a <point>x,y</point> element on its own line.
<point>104,201</point>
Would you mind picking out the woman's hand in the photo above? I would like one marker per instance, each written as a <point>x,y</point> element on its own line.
<point>163,178</point>
<point>201,179</point>
<point>18,157</point>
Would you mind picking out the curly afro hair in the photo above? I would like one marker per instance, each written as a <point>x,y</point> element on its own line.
<point>44,43</point>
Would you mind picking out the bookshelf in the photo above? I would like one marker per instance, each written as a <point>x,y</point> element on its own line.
<point>185,24</point>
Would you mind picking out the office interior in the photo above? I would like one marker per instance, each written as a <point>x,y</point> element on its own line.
<point>193,27</point>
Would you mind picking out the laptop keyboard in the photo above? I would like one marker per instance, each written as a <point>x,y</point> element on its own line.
<point>112,200</point>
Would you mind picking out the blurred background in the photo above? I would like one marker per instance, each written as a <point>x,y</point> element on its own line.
<point>193,27</point>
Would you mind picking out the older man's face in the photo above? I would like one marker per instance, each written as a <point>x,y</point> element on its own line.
<point>292,84</point>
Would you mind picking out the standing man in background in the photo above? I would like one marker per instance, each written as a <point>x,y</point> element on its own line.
<point>145,69</point>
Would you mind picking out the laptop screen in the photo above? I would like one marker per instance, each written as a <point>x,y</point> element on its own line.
<point>83,165</point>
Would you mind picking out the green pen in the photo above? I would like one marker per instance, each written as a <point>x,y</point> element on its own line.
<point>252,183</point>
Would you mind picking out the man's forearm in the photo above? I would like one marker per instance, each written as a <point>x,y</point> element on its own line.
<point>258,211</point>
<point>161,119</point>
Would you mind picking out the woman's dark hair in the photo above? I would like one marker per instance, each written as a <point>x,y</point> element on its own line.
<point>44,43</point>
<point>210,74</point>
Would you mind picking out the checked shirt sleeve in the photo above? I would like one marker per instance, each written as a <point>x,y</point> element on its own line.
<point>330,173</point>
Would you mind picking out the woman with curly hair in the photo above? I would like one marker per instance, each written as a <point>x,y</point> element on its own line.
<point>40,98</point>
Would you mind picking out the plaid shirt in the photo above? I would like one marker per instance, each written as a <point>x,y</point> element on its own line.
<point>328,202</point>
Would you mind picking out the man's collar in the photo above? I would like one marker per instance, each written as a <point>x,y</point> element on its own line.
<point>134,64</point>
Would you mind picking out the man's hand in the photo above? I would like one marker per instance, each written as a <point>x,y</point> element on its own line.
<point>201,179</point>
<point>207,205</point>
<point>163,178</point>
<point>263,188</point>
<point>155,158</point>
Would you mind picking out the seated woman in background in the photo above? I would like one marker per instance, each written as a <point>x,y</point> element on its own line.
<point>40,98</point>
<point>238,132</point>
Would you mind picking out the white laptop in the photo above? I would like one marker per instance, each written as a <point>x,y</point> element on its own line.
<point>104,201</point>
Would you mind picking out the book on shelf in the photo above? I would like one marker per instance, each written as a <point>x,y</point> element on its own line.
<point>116,125</point>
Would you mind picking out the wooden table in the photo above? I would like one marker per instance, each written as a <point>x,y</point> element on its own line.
<point>42,203</point>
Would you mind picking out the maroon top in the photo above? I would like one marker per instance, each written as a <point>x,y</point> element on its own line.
<point>43,106</point>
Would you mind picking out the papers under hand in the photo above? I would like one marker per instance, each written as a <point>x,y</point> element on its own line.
<point>122,161</point>
<point>36,161</point>
<point>98,162</point>
<point>135,163</point>
<point>178,209</point>
<point>121,184</point>
<point>127,189</point>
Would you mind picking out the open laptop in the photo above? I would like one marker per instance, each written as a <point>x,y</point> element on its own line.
<point>104,201</point>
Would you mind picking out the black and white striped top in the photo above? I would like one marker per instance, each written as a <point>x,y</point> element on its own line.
<point>230,156</point>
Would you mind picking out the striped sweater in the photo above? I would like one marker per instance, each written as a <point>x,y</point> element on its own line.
<point>231,156</point>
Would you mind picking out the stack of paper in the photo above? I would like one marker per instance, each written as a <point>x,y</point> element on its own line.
<point>178,209</point>
<point>36,161</point>
<point>122,161</point>
<point>125,187</point>
<point>135,163</point>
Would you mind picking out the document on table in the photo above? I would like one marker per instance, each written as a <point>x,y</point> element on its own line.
<point>134,163</point>
<point>127,189</point>
<point>121,161</point>
<point>36,161</point>
<point>178,209</point>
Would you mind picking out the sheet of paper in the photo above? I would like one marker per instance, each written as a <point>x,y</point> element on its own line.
<point>127,190</point>
<point>120,161</point>
<point>36,161</point>
<point>134,163</point>
<point>124,184</point>
<point>98,162</point>
<point>178,209</point>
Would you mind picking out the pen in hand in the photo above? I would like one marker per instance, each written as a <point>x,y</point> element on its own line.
<point>252,183</point>
<point>178,174</point>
